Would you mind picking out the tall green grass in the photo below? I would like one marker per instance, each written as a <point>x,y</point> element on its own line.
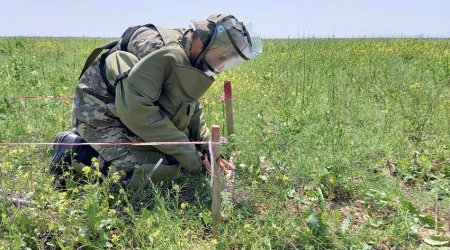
<point>340,143</point>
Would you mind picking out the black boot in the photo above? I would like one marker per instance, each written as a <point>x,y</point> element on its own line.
<point>64,154</point>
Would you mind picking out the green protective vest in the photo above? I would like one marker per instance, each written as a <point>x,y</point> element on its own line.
<point>158,98</point>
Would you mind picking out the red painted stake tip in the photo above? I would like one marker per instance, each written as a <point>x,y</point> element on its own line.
<point>227,90</point>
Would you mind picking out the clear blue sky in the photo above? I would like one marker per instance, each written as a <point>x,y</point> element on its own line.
<point>279,18</point>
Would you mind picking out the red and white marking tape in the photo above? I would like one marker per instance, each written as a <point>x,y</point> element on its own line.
<point>103,143</point>
<point>70,97</point>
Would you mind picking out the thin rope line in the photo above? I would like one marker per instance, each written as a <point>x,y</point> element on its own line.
<point>64,97</point>
<point>41,97</point>
<point>106,143</point>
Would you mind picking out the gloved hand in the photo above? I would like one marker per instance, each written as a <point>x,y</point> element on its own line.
<point>221,162</point>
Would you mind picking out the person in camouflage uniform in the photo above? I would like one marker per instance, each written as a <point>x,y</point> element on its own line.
<point>156,79</point>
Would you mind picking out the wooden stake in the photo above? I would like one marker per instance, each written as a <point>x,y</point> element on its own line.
<point>217,183</point>
<point>228,94</point>
<point>228,99</point>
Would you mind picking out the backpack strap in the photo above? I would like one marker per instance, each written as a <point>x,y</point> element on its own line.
<point>109,88</point>
<point>94,55</point>
<point>126,37</point>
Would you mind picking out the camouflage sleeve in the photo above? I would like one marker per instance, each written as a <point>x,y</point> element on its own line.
<point>144,41</point>
<point>197,127</point>
<point>135,106</point>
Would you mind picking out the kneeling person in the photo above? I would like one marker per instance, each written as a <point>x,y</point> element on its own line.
<point>146,88</point>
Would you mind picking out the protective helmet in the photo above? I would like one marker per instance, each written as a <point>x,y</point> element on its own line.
<point>227,42</point>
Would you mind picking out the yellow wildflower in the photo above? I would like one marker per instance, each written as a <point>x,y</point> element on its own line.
<point>116,177</point>
<point>156,234</point>
<point>6,165</point>
<point>114,237</point>
<point>62,195</point>
<point>415,86</point>
<point>95,163</point>
<point>63,206</point>
<point>86,170</point>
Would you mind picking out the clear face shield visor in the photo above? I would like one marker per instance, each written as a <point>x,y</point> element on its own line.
<point>231,45</point>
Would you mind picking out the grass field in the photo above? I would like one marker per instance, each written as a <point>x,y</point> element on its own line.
<point>341,144</point>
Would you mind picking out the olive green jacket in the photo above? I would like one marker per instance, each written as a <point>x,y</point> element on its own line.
<point>158,100</point>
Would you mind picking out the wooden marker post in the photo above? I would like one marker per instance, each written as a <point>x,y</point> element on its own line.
<point>228,94</point>
<point>229,176</point>
<point>216,182</point>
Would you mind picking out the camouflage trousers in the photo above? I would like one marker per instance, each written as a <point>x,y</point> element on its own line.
<point>136,165</point>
